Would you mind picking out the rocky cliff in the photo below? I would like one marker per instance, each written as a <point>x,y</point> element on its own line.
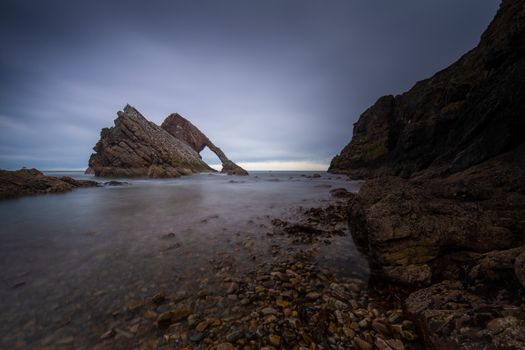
<point>184,130</point>
<point>138,147</point>
<point>445,199</point>
<point>463,115</point>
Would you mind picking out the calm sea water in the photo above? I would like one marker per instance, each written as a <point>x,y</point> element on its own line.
<point>66,260</point>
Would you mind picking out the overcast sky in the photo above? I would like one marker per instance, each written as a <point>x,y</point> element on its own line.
<point>268,81</point>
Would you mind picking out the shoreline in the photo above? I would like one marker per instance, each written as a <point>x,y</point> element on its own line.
<point>291,302</point>
<point>293,296</point>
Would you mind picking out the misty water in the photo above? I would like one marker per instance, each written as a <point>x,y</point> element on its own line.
<point>68,260</point>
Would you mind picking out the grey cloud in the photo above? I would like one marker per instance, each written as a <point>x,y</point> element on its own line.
<point>266,80</point>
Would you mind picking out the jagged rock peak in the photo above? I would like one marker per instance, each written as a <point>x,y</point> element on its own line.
<point>184,130</point>
<point>138,147</point>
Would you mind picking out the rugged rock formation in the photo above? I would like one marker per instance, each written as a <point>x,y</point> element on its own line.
<point>454,317</point>
<point>415,229</point>
<point>184,130</point>
<point>446,198</point>
<point>31,181</point>
<point>463,115</point>
<point>138,147</point>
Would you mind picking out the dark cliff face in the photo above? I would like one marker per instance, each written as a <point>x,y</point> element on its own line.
<point>184,130</point>
<point>462,116</point>
<point>443,209</point>
<point>138,147</point>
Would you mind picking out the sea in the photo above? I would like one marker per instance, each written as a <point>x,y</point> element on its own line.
<point>69,259</point>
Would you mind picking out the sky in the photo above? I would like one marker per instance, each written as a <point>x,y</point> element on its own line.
<point>277,84</point>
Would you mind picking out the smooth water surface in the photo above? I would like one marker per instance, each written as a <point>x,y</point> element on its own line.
<point>66,260</point>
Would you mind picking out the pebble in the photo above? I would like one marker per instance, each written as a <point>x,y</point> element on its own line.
<point>201,326</point>
<point>274,339</point>
<point>225,346</point>
<point>313,296</point>
<point>269,311</point>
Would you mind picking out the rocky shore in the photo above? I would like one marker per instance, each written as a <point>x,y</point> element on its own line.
<point>443,207</point>
<point>289,302</point>
<point>25,182</point>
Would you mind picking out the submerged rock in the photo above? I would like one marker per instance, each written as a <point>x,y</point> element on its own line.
<point>31,181</point>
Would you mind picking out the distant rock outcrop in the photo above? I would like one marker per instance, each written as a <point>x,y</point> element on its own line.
<point>138,147</point>
<point>184,130</point>
<point>25,182</point>
<point>445,199</point>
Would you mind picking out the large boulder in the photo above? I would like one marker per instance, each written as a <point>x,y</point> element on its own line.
<point>423,229</point>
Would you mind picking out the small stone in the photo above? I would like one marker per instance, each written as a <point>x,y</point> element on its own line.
<point>134,328</point>
<point>234,335</point>
<point>164,319</point>
<point>270,319</point>
<point>150,314</point>
<point>274,339</point>
<point>192,319</point>
<point>362,344</point>
<point>380,328</point>
<point>232,288</point>
<point>395,344</point>
<point>214,321</point>
<point>201,326</point>
<point>313,296</point>
<point>282,303</point>
<point>180,313</point>
<point>497,325</point>
<point>269,311</point>
<point>124,333</point>
<point>381,344</point>
<point>66,340</point>
<point>158,298</point>
<point>225,346</point>
<point>395,316</point>
<point>107,334</point>
<point>197,337</point>
<point>349,332</point>
<point>363,323</point>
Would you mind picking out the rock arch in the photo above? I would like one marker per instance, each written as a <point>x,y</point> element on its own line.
<point>184,130</point>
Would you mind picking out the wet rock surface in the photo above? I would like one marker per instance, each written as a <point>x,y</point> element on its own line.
<point>25,182</point>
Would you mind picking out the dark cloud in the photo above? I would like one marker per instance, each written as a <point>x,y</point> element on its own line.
<point>273,80</point>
